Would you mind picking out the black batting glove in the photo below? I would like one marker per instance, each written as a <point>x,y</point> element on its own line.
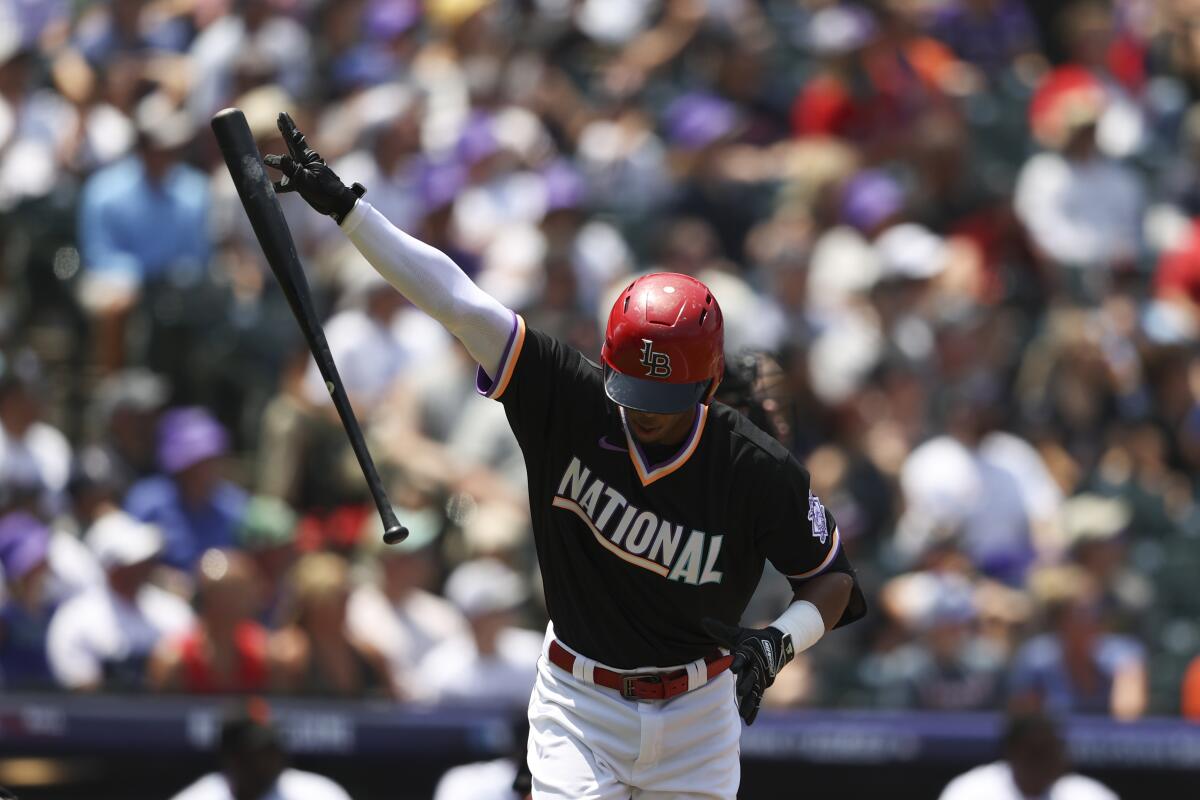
<point>758,655</point>
<point>304,171</point>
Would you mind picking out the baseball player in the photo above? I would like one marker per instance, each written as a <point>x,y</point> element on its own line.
<point>653,510</point>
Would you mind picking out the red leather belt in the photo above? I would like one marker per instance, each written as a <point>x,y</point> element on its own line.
<point>639,685</point>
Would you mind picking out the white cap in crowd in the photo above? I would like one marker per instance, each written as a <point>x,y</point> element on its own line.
<point>119,540</point>
<point>484,586</point>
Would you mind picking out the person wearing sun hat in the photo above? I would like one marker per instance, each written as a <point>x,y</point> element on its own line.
<point>103,637</point>
<point>397,611</point>
<point>193,504</point>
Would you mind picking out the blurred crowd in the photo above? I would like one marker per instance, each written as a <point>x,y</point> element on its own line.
<point>957,244</point>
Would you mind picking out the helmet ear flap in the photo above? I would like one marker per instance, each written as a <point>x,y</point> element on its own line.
<point>712,391</point>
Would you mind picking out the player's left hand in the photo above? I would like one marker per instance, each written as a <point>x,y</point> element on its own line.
<point>758,655</point>
<point>306,172</point>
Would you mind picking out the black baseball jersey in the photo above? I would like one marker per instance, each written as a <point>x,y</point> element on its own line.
<point>635,554</point>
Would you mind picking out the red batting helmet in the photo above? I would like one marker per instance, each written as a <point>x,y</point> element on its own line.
<point>664,349</point>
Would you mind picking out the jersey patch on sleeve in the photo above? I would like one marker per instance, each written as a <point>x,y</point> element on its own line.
<point>816,517</point>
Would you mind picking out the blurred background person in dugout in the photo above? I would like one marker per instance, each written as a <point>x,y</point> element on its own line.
<point>1034,764</point>
<point>252,764</point>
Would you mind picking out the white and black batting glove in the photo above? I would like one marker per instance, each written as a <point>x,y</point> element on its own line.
<point>305,172</point>
<point>758,655</point>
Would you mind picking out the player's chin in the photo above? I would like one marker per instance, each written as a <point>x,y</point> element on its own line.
<point>649,428</point>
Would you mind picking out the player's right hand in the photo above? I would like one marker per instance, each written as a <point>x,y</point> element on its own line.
<point>758,655</point>
<point>305,172</point>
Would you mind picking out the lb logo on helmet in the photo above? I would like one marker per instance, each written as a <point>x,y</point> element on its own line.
<point>657,364</point>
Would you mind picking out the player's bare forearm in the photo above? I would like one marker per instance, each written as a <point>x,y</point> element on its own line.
<point>830,593</point>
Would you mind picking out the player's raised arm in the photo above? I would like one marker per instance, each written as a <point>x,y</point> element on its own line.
<point>425,275</point>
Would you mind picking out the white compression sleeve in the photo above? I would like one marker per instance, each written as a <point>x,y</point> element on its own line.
<point>434,283</point>
<point>804,622</point>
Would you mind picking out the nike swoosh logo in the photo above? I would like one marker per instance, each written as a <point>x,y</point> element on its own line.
<point>605,444</point>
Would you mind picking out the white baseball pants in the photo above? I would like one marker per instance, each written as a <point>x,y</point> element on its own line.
<point>587,742</point>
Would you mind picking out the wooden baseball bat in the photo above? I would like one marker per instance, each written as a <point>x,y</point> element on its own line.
<point>266,217</point>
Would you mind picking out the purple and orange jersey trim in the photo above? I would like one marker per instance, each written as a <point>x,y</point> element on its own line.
<point>493,388</point>
<point>649,473</point>
<point>825,562</point>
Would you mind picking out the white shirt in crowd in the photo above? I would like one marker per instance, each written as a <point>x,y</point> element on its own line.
<point>455,672</point>
<point>1083,214</point>
<point>372,355</point>
<point>42,454</point>
<point>948,486</point>
<point>404,631</point>
<point>487,780</point>
<point>292,784</point>
<point>98,627</point>
<point>995,782</point>
<point>73,567</point>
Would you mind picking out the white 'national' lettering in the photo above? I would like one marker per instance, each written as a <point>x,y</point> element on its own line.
<point>615,501</point>
<point>639,536</point>
<point>575,475</point>
<point>714,549</point>
<point>641,533</point>
<point>591,497</point>
<point>687,567</point>
<point>666,542</point>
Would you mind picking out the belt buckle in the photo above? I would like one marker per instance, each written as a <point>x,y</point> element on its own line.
<point>629,683</point>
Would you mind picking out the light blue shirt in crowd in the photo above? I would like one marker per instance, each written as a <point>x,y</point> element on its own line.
<point>187,531</point>
<point>130,224</point>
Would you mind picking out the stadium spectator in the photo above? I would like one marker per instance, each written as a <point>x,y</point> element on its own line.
<point>1190,695</point>
<point>191,502</point>
<point>388,161</point>
<point>949,667</point>
<point>1076,667</point>
<point>399,613</point>
<point>25,608</point>
<point>153,190</point>
<point>496,661</point>
<point>268,536</point>
<point>1095,531</point>
<point>92,494</point>
<point>37,124</point>
<point>253,765</point>
<point>437,432</point>
<point>318,653</point>
<point>35,457</point>
<point>994,35</point>
<point>1034,765</point>
<point>226,651</point>
<point>103,637</point>
<point>124,413</point>
<point>1082,209</point>
<point>955,485</point>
